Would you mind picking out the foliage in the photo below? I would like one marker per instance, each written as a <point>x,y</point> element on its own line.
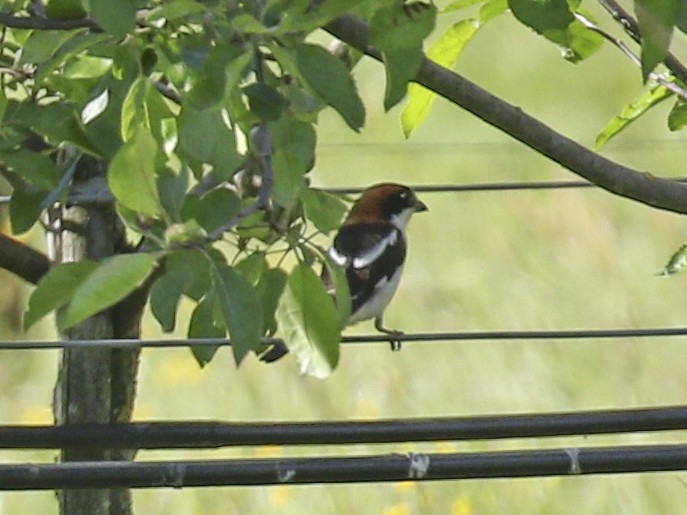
<point>203,114</point>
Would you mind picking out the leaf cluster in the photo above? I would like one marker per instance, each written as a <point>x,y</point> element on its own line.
<point>202,118</point>
<point>202,115</point>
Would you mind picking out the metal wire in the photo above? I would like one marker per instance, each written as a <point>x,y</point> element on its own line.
<point>466,188</point>
<point>573,334</point>
<point>356,469</point>
<point>213,434</point>
<point>489,186</point>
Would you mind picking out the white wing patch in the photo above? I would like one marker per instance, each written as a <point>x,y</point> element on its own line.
<point>337,257</point>
<point>372,254</point>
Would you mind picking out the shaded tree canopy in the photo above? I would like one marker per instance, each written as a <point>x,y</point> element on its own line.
<point>200,119</point>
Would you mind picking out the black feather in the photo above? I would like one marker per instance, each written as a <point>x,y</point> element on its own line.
<point>357,239</point>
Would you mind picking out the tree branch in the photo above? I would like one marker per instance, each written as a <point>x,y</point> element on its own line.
<point>35,22</point>
<point>22,260</point>
<point>620,180</point>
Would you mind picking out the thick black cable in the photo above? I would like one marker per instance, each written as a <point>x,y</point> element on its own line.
<point>393,467</point>
<point>212,434</point>
<point>572,334</point>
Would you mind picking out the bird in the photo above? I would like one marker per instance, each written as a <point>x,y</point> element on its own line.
<point>371,248</point>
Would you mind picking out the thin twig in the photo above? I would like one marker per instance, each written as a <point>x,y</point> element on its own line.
<point>168,92</point>
<point>631,27</point>
<point>264,153</point>
<point>659,79</point>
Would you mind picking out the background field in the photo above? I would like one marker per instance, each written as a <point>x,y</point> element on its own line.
<point>478,261</point>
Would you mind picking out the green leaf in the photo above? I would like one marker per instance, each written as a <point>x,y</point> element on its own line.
<point>204,137</point>
<point>398,26</point>
<point>656,19</point>
<point>187,234</point>
<point>64,9</point>
<point>444,52</point>
<point>295,137</point>
<point>118,18</point>
<point>26,206</point>
<point>37,169</point>
<point>578,41</point>
<point>247,24</point>
<point>165,295</point>
<point>56,288</point>
<point>221,68</point>
<point>459,4</point>
<point>681,18</point>
<point>336,280</point>
<point>201,132</point>
<point>324,210</point>
<point>631,112</point>
<point>195,263</point>
<point>398,32</point>
<point>42,45</point>
<point>677,118</point>
<point>86,67</point>
<point>265,101</point>
<point>400,66</point>
<point>3,103</point>
<point>144,105</point>
<point>270,288</point>
<point>491,9</point>
<point>676,263</point>
<point>131,175</point>
<point>58,122</point>
<point>172,187</point>
<point>133,107</point>
<point>80,43</point>
<point>309,322</point>
<point>113,280</point>
<point>212,210</point>
<point>542,15</point>
<point>329,78</point>
<point>241,309</point>
<point>204,324</point>
<point>289,178</point>
<point>306,16</point>
<point>252,267</point>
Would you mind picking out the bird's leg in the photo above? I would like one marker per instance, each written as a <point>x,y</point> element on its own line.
<point>273,352</point>
<point>394,336</point>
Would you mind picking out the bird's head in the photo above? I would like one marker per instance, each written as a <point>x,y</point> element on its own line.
<point>386,202</point>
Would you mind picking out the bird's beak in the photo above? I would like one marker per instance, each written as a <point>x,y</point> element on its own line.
<point>420,206</point>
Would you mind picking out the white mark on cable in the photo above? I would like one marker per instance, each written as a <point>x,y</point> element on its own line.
<point>574,455</point>
<point>177,477</point>
<point>419,465</point>
<point>284,476</point>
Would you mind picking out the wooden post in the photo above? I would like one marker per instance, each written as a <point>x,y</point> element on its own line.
<point>96,385</point>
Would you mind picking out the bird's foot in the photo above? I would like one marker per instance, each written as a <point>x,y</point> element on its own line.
<point>394,335</point>
<point>273,352</point>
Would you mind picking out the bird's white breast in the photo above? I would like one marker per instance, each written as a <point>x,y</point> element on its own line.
<point>379,300</point>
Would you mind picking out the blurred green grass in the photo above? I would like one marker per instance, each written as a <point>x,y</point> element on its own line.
<point>477,261</point>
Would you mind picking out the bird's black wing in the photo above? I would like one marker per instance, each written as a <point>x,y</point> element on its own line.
<point>372,252</point>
